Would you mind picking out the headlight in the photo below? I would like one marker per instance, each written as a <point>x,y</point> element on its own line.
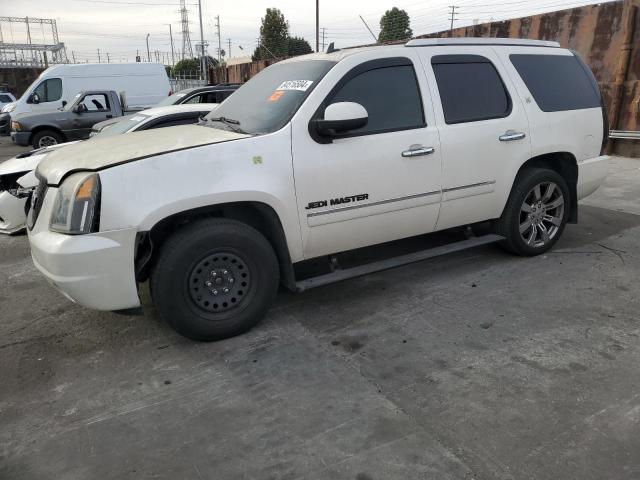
<point>15,126</point>
<point>9,108</point>
<point>77,206</point>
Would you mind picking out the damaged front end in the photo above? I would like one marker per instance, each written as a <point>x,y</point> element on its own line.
<point>13,203</point>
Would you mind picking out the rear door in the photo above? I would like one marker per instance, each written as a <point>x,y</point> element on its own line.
<point>484,131</point>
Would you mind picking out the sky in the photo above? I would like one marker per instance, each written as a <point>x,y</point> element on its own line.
<point>119,27</point>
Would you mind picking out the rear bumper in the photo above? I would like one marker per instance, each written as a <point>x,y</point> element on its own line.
<point>21,138</point>
<point>591,174</point>
<point>12,216</point>
<point>95,270</point>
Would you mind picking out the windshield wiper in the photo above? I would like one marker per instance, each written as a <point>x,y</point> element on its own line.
<point>229,122</point>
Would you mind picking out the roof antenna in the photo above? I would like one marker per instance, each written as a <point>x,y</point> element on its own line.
<point>331,48</point>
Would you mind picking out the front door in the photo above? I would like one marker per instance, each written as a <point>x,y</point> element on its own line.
<point>49,95</point>
<point>380,182</point>
<point>98,109</point>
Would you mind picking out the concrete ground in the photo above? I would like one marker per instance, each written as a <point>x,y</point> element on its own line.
<point>477,365</point>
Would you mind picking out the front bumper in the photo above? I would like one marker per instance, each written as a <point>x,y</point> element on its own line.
<point>21,138</point>
<point>591,174</point>
<point>94,270</point>
<point>12,216</point>
<point>5,123</point>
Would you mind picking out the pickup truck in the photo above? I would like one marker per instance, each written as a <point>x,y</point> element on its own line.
<point>71,122</point>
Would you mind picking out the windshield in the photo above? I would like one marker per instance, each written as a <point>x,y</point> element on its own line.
<point>172,99</point>
<point>125,125</point>
<point>268,101</point>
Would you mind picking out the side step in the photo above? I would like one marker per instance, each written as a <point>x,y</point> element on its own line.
<point>339,275</point>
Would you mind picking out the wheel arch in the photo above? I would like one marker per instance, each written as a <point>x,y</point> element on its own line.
<point>258,215</point>
<point>41,128</point>
<point>566,165</point>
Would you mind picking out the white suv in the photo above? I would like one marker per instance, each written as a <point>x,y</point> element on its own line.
<point>319,155</point>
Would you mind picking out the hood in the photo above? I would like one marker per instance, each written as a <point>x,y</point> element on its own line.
<point>101,153</point>
<point>28,161</point>
<point>29,120</point>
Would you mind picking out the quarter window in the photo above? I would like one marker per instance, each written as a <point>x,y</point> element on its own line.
<point>50,90</point>
<point>470,88</point>
<point>557,82</point>
<point>390,95</point>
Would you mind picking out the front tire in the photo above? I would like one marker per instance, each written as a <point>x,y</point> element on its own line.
<point>214,279</point>
<point>46,138</point>
<point>536,213</point>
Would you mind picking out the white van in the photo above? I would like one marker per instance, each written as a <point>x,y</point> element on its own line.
<point>144,85</point>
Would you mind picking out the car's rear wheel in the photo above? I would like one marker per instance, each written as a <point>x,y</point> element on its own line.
<point>46,138</point>
<point>214,279</point>
<point>536,212</point>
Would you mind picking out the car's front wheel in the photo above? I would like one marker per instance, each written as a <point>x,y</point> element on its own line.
<point>214,279</point>
<point>536,212</point>
<point>46,138</point>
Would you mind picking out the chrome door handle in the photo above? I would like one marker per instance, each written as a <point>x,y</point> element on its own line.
<point>511,135</point>
<point>416,152</point>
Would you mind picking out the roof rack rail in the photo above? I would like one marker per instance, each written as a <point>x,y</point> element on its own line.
<point>523,42</point>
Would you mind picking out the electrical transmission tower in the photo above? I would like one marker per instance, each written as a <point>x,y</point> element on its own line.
<point>187,50</point>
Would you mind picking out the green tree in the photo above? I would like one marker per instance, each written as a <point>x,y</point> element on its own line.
<point>394,25</point>
<point>187,66</point>
<point>298,46</point>
<point>274,35</point>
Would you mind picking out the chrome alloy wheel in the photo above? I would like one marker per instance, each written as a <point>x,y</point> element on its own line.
<point>541,214</point>
<point>219,282</point>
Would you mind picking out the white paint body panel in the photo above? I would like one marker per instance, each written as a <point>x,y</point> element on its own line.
<point>149,176</point>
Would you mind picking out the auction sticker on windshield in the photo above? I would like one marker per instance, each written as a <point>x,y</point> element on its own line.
<point>300,85</point>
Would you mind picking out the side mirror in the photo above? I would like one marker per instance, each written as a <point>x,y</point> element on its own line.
<point>340,118</point>
<point>81,107</point>
<point>33,98</point>
<point>64,103</point>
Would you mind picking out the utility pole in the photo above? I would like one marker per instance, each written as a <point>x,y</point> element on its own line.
<point>173,58</point>
<point>99,61</point>
<point>453,16</point>
<point>317,25</point>
<point>324,30</point>
<point>203,61</point>
<point>73,55</point>
<point>365,24</point>
<point>108,59</point>
<point>229,50</point>
<point>219,42</point>
<point>148,53</point>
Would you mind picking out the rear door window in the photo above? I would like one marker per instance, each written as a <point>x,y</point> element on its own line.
<point>557,82</point>
<point>470,88</point>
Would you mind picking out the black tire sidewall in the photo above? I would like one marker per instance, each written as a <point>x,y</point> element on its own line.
<point>169,279</point>
<point>510,222</point>
<point>45,133</point>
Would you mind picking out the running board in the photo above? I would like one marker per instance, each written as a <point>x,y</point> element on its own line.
<point>339,275</point>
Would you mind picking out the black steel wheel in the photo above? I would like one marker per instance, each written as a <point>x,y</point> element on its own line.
<point>214,279</point>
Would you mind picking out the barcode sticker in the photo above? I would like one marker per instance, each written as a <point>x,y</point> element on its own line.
<point>300,85</point>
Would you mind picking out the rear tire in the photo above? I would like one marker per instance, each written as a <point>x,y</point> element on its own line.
<point>536,213</point>
<point>46,138</point>
<point>214,279</point>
